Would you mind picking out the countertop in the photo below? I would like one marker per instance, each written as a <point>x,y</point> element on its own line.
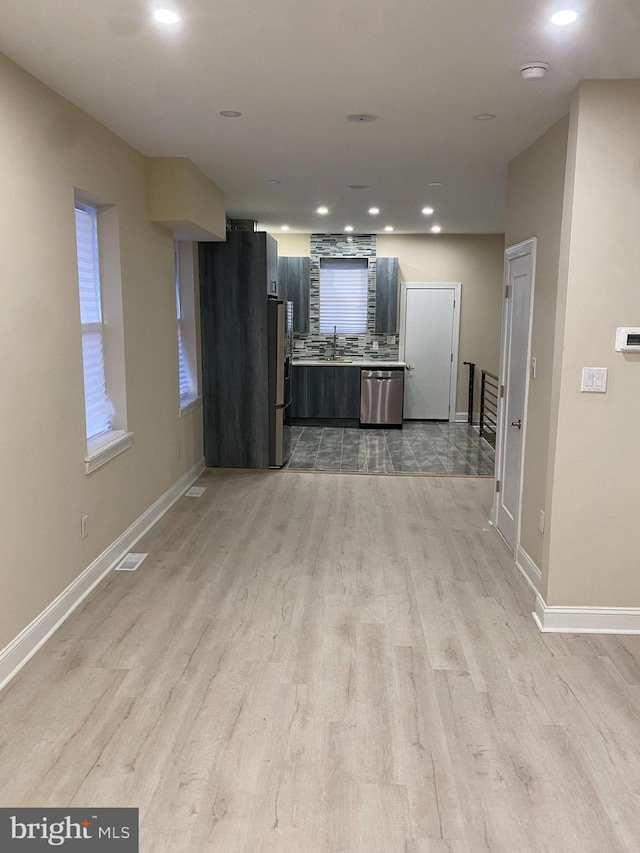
<point>343,362</point>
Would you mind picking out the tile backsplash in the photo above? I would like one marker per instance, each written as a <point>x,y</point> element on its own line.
<point>313,345</point>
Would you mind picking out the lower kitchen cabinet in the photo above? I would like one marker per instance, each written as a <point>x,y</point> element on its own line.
<point>346,392</point>
<point>325,392</point>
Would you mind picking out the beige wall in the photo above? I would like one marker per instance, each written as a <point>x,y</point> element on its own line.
<point>293,245</point>
<point>477,261</point>
<point>591,558</point>
<point>182,198</point>
<point>48,147</point>
<point>535,191</point>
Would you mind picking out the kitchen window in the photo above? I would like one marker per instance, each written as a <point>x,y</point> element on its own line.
<point>183,253</point>
<point>102,352</point>
<point>344,286</point>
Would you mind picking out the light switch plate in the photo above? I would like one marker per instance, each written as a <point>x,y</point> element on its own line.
<point>391,339</point>
<point>594,380</point>
<point>534,365</point>
<point>374,345</point>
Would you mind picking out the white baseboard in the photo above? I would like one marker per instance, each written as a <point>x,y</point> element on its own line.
<point>586,620</point>
<point>529,570</point>
<point>20,650</point>
<point>462,417</point>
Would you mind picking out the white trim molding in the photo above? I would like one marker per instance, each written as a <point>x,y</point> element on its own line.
<point>20,650</point>
<point>529,570</point>
<point>104,448</point>
<point>586,620</point>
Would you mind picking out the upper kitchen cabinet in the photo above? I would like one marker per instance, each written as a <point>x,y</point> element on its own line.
<point>387,296</point>
<point>294,278</point>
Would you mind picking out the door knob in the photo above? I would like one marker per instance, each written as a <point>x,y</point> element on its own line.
<point>409,367</point>
<point>517,424</point>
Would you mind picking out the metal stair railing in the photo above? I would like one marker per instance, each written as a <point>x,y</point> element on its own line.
<point>489,390</point>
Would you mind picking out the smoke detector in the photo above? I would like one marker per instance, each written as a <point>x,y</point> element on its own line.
<point>534,70</point>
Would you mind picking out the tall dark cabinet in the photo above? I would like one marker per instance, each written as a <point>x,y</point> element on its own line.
<point>236,278</point>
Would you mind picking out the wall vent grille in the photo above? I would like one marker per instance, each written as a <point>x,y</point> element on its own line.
<point>195,491</point>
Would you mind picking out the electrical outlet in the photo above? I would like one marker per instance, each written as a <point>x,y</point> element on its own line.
<point>177,451</point>
<point>541,521</point>
<point>84,531</point>
<point>391,339</point>
<point>374,345</point>
<point>534,366</point>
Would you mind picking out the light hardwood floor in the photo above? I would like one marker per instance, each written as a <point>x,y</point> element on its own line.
<point>329,663</point>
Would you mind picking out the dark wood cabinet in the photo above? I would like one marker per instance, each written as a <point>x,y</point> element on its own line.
<point>325,392</point>
<point>346,392</point>
<point>294,283</point>
<point>235,278</point>
<point>271,248</point>
<point>386,296</point>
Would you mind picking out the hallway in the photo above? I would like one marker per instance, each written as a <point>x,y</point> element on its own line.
<point>330,663</point>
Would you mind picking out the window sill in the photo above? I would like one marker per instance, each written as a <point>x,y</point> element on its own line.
<point>188,405</point>
<point>103,448</point>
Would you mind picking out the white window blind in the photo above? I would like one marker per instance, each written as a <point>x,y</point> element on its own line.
<point>343,295</point>
<point>185,378</point>
<point>98,408</point>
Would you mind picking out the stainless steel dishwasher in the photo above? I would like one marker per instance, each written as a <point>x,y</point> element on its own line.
<point>381,397</point>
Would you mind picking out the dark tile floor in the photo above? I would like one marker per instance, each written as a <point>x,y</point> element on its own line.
<point>421,447</point>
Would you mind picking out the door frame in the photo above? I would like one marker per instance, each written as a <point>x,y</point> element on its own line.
<point>456,286</point>
<point>512,253</point>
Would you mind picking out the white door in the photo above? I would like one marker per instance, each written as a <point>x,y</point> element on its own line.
<point>516,336</point>
<point>430,334</point>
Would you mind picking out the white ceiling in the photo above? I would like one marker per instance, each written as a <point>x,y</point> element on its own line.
<point>296,68</point>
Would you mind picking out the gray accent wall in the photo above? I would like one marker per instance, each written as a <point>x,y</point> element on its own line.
<point>312,344</point>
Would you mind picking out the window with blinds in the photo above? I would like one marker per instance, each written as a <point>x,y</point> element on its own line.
<point>343,295</point>
<point>183,270</point>
<point>98,408</point>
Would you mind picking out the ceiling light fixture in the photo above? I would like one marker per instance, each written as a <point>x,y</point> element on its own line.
<point>322,211</point>
<point>428,211</point>
<point>374,211</point>
<point>348,227</point>
<point>564,17</point>
<point>358,187</point>
<point>388,227</point>
<point>230,113</point>
<point>284,228</point>
<point>484,117</point>
<point>361,118</point>
<point>166,16</point>
<point>436,229</point>
<point>274,181</point>
<point>435,183</point>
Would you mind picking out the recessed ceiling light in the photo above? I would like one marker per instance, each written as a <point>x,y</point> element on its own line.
<point>564,17</point>
<point>388,227</point>
<point>374,211</point>
<point>362,118</point>
<point>284,227</point>
<point>428,211</point>
<point>230,113</point>
<point>166,16</point>
<point>435,183</point>
<point>436,229</point>
<point>484,117</point>
<point>348,227</point>
<point>274,181</point>
<point>322,211</point>
<point>358,187</point>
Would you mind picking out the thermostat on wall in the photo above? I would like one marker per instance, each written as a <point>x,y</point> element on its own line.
<point>628,339</point>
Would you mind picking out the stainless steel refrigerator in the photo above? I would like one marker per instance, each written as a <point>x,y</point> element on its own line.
<point>280,320</point>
